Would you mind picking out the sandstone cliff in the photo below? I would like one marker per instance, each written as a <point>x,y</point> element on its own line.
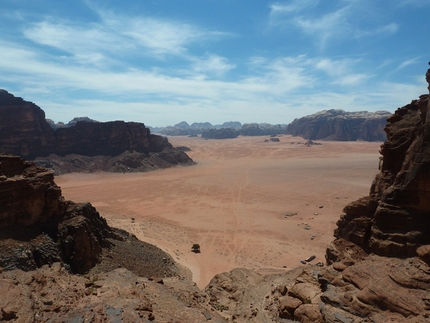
<point>340,125</point>
<point>25,132</point>
<point>394,219</point>
<point>23,128</point>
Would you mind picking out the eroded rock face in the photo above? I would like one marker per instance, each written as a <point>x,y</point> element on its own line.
<point>340,125</point>
<point>25,132</point>
<point>23,128</point>
<point>371,289</point>
<point>394,219</point>
<point>38,227</point>
<point>28,194</point>
<point>51,294</point>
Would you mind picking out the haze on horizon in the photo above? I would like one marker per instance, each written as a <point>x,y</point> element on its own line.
<point>162,62</point>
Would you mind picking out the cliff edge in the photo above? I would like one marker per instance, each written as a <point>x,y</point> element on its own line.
<point>394,219</point>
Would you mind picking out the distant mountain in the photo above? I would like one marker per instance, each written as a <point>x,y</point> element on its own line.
<point>223,133</point>
<point>230,124</point>
<point>71,123</point>
<point>337,125</point>
<point>340,125</point>
<point>207,130</point>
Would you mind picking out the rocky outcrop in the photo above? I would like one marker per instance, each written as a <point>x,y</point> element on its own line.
<point>38,227</point>
<point>369,289</point>
<point>394,219</point>
<point>25,132</point>
<point>23,128</point>
<point>71,123</point>
<point>28,194</point>
<point>107,138</point>
<point>50,294</point>
<point>341,126</point>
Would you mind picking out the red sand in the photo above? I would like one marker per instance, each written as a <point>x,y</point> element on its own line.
<point>233,202</point>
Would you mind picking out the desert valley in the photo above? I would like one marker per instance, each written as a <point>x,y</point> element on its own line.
<point>214,161</point>
<point>111,223</point>
<point>247,202</point>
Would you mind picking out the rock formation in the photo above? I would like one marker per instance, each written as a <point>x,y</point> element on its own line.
<point>23,128</point>
<point>394,219</point>
<point>71,123</point>
<point>38,227</point>
<point>25,132</point>
<point>340,125</point>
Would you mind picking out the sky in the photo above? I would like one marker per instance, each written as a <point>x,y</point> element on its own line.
<point>161,62</point>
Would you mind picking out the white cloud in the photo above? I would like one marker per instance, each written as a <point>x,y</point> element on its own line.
<point>213,64</point>
<point>119,35</point>
<point>292,6</point>
<point>158,36</point>
<point>72,38</point>
<point>408,62</point>
<point>349,19</point>
<point>342,71</point>
<point>391,28</point>
<point>331,25</point>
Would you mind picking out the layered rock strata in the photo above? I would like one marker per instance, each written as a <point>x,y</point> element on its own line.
<point>25,132</point>
<point>341,126</point>
<point>394,219</point>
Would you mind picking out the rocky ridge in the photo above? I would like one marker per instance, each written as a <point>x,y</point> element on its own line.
<point>25,132</point>
<point>340,125</point>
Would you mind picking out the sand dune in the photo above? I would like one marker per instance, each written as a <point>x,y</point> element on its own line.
<point>233,202</point>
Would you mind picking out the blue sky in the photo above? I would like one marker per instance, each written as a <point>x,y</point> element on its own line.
<point>161,62</point>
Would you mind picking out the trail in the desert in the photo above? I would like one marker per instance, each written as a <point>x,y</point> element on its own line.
<point>233,202</point>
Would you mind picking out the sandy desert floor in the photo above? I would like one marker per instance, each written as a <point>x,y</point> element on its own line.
<point>234,201</point>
